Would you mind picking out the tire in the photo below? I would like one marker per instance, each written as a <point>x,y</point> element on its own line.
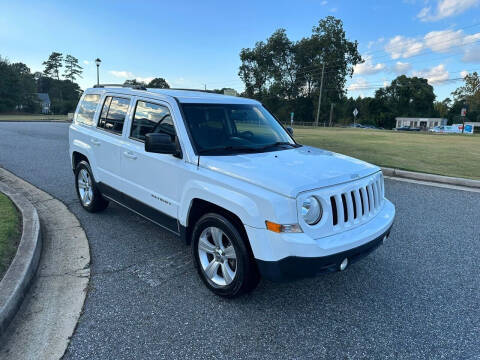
<point>87,191</point>
<point>222,258</point>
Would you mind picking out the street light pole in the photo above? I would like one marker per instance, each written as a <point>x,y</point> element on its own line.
<point>320,96</point>
<point>98,62</point>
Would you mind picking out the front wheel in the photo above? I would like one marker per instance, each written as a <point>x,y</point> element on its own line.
<point>222,258</point>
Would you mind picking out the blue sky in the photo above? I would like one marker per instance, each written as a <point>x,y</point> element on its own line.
<point>193,43</point>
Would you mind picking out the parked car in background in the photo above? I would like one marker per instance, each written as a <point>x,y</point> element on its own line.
<point>407,128</point>
<point>358,126</point>
<point>223,174</point>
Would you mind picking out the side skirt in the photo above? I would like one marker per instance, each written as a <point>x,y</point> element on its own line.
<point>156,216</point>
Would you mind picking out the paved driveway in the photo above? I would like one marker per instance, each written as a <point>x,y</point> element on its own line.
<point>418,296</point>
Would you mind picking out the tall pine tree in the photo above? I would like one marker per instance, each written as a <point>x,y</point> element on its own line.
<point>53,65</point>
<point>72,69</point>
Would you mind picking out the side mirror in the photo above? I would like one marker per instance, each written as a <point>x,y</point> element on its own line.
<point>161,143</point>
<point>290,130</point>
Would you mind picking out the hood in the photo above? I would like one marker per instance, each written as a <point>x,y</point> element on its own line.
<point>289,172</point>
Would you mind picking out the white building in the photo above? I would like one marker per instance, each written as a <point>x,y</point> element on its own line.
<point>422,123</point>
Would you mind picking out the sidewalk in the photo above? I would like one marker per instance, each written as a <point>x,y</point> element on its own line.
<point>48,316</point>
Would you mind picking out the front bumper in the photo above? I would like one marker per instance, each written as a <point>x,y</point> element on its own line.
<point>293,267</point>
<point>287,256</point>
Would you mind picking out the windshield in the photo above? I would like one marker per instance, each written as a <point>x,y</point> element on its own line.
<point>234,128</point>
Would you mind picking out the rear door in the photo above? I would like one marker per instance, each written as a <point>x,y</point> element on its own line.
<point>108,140</point>
<point>152,179</point>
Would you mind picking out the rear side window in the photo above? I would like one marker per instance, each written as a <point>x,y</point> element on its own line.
<point>86,110</point>
<point>151,118</point>
<point>113,114</point>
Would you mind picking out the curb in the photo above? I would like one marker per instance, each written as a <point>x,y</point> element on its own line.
<point>46,320</point>
<point>431,178</point>
<point>19,275</point>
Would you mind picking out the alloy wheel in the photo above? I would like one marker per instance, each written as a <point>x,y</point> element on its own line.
<point>85,189</point>
<point>217,255</point>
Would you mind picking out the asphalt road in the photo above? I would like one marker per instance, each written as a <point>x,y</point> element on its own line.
<point>416,297</point>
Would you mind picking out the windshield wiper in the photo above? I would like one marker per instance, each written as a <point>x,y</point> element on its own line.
<point>278,143</point>
<point>228,148</point>
<point>245,148</point>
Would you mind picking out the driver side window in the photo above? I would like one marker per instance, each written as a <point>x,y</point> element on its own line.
<point>151,118</point>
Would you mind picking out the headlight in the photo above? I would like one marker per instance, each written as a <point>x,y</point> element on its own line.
<point>311,210</point>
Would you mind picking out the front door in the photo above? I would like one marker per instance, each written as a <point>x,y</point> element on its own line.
<point>152,179</point>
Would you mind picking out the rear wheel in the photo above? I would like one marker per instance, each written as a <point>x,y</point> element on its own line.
<point>90,197</point>
<point>222,258</point>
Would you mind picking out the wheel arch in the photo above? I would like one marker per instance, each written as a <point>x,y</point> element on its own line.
<point>200,207</point>
<point>77,157</point>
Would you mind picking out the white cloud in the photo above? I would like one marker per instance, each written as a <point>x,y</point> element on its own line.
<point>144,79</point>
<point>358,84</point>
<point>86,62</point>
<point>403,47</point>
<point>324,2</point>
<point>374,42</point>
<point>463,73</point>
<point>121,74</point>
<point>401,68</point>
<point>435,75</point>
<point>333,10</point>
<point>442,41</point>
<point>446,8</point>
<point>368,67</point>
<point>472,54</point>
<point>130,76</point>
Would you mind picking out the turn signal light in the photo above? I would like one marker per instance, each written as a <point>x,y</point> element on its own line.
<point>279,228</point>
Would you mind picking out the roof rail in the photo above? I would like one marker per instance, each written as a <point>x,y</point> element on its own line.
<point>199,90</point>
<point>133,86</point>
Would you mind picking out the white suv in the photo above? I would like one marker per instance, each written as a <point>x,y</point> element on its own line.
<point>223,174</point>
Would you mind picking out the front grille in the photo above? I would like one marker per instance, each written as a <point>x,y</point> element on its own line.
<point>357,204</point>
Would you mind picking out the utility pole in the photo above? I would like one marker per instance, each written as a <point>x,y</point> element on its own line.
<point>331,114</point>
<point>320,96</point>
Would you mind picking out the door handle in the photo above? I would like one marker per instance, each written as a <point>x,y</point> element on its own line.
<point>95,142</point>
<point>130,155</point>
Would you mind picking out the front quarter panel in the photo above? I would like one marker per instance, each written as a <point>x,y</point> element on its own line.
<point>251,203</point>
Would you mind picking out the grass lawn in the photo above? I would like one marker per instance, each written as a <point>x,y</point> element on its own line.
<point>9,232</point>
<point>39,117</point>
<point>443,154</point>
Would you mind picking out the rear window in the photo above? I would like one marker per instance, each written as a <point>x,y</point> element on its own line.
<point>113,114</point>
<point>86,110</point>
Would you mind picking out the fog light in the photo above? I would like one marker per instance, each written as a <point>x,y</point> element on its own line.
<point>344,264</point>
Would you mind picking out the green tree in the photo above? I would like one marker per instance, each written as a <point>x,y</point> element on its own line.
<point>134,82</point>
<point>469,92</point>
<point>72,69</point>
<point>53,65</point>
<point>442,108</point>
<point>406,96</point>
<point>158,83</point>
<point>285,74</point>
<point>17,88</point>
